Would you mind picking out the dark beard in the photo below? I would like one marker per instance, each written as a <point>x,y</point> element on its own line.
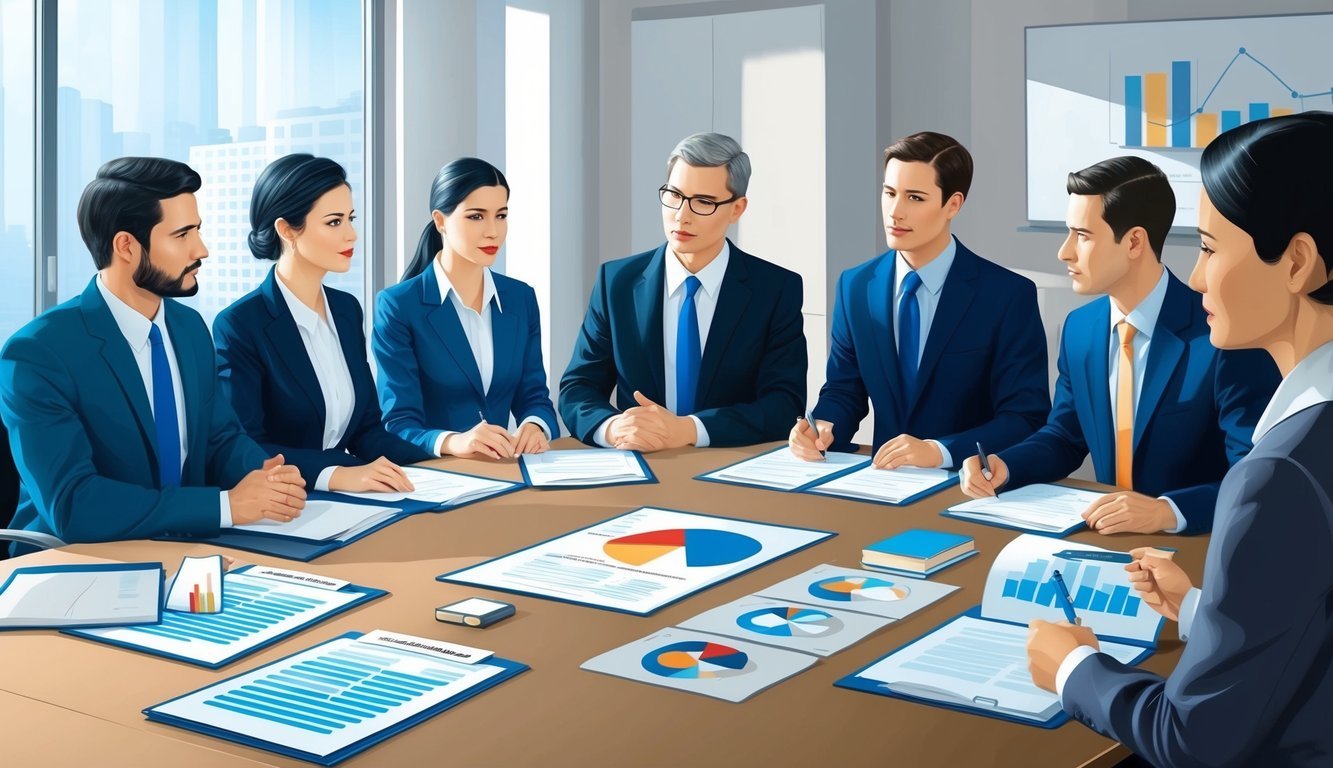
<point>159,283</point>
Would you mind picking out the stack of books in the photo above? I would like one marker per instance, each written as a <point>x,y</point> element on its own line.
<point>918,552</point>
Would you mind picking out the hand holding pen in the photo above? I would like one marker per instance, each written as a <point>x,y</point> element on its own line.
<point>810,439</point>
<point>484,441</point>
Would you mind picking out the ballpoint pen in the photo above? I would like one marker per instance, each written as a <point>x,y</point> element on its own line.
<point>810,419</point>
<point>1062,596</point>
<point>985,463</point>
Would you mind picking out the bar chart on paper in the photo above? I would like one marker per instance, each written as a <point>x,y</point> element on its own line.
<point>1034,585</point>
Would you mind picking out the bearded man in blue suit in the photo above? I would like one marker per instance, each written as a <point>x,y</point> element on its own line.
<point>116,422</point>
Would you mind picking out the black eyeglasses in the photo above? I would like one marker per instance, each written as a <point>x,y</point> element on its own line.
<point>701,205</point>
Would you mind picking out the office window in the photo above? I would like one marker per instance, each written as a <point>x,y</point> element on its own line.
<point>206,83</point>
<point>17,144</point>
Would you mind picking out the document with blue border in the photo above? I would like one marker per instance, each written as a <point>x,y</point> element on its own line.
<point>329,702</point>
<point>780,470</point>
<point>260,606</point>
<point>94,595</point>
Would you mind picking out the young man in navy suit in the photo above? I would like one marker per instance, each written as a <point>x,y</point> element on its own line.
<point>948,347</point>
<point>1162,411</point>
<point>702,342</point>
<point>118,426</point>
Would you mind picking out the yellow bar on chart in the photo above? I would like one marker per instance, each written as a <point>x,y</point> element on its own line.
<point>1280,111</point>
<point>1205,128</point>
<point>1154,107</point>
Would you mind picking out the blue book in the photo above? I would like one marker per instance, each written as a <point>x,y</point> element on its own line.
<point>918,550</point>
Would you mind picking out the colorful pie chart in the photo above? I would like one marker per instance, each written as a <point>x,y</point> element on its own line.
<point>703,546</point>
<point>789,621</point>
<point>848,589</point>
<point>696,659</point>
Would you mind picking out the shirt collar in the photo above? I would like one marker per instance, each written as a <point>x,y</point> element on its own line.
<point>1309,383</point>
<point>133,326</point>
<point>488,293</point>
<point>1144,316</point>
<point>305,317</point>
<point>710,276</point>
<point>933,274</point>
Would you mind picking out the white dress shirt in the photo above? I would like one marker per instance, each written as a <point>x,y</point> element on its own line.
<point>1308,384</point>
<point>134,327</point>
<point>932,277</point>
<point>322,346</point>
<point>705,306</point>
<point>478,330</point>
<point>1144,319</point>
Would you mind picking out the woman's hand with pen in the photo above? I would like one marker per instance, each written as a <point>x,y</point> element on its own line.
<point>484,441</point>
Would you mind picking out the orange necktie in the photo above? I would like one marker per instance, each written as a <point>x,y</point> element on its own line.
<point>1124,409</point>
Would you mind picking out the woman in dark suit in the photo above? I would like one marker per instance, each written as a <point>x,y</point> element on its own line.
<point>291,353</point>
<point>459,346</point>
<point>1254,685</point>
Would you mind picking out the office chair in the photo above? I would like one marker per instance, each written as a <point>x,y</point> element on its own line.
<point>9,501</point>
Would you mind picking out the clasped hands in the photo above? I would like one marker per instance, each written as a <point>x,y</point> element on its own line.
<point>650,427</point>
<point>275,491</point>
<point>488,441</point>
<point>1158,580</point>
<point>1115,512</point>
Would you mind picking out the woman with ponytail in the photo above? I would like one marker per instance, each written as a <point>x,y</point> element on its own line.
<point>291,353</point>
<point>458,345</point>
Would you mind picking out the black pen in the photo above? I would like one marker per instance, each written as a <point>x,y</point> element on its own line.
<point>810,419</point>
<point>985,463</point>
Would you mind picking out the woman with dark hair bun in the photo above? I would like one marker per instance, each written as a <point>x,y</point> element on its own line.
<point>1254,685</point>
<point>291,353</point>
<point>459,346</point>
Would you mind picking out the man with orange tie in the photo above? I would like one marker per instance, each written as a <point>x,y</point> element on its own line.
<point>1162,411</point>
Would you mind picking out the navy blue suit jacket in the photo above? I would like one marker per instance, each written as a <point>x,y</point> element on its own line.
<point>751,378</point>
<point>982,376</point>
<point>1254,685</point>
<point>1195,416</point>
<point>82,430</point>
<point>267,376</point>
<point>429,380</point>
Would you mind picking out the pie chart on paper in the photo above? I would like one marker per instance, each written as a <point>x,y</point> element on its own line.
<point>703,547</point>
<point>789,621</point>
<point>849,589</point>
<point>696,659</point>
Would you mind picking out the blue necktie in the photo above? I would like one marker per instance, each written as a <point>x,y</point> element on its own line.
<point>164,414</point>
<point>687,350</point>
<point>909,332</point>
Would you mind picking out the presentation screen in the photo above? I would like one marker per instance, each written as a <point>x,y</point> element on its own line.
<point>1162,90</point>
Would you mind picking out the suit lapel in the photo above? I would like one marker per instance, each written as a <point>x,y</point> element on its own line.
<point>955,298</point>
<point>1096,347</point>
<point>351,339</point>
<point>443,318</point>
<point>732,300</point>
<point>1164,354</point>
<point>118,357</point>
<point>507,336</point>
<point>282,332</point>
<point>879,304</point>
<point>648,302</point>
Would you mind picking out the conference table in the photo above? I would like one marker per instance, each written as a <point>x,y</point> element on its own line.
<point>69,701</point>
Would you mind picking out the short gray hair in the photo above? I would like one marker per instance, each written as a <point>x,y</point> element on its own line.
<point>711,150</point>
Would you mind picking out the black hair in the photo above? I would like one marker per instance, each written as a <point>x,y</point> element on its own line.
<point>126,196</point>
<point>1271,178</point>
<point>451,187</point>
<point>950,159</point>
<point>287,189</point>
<point>1134,193</point>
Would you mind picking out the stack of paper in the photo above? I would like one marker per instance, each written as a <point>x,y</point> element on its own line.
<point>98,595</point>
<point>594,466</point>
<point>886,486</point>
<point>782,470</point>
<point>446,489</point>
<point>325,520</point>
<point>1042,508</point>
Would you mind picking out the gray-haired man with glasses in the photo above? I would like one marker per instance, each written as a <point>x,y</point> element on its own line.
<point>702,342</point>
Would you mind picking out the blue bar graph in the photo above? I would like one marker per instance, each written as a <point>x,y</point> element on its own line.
<point>1230,119</point>
<point>1033,585</point>
<point>1180,104</point>
<point>1134,110</point>
<point>247,609</point>
<point>1258,110</point>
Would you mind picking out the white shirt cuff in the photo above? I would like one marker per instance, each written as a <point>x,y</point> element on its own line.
<point>439,442</point>
<point>700,433</point>
<point>325,477</point>
<point>1187,608</point>
<point>946,458</point>
<point>540,424</point>
<point>1067,667</point>
<point>225,506</point>
<point>1180,519</point>
<point>602,435</point>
